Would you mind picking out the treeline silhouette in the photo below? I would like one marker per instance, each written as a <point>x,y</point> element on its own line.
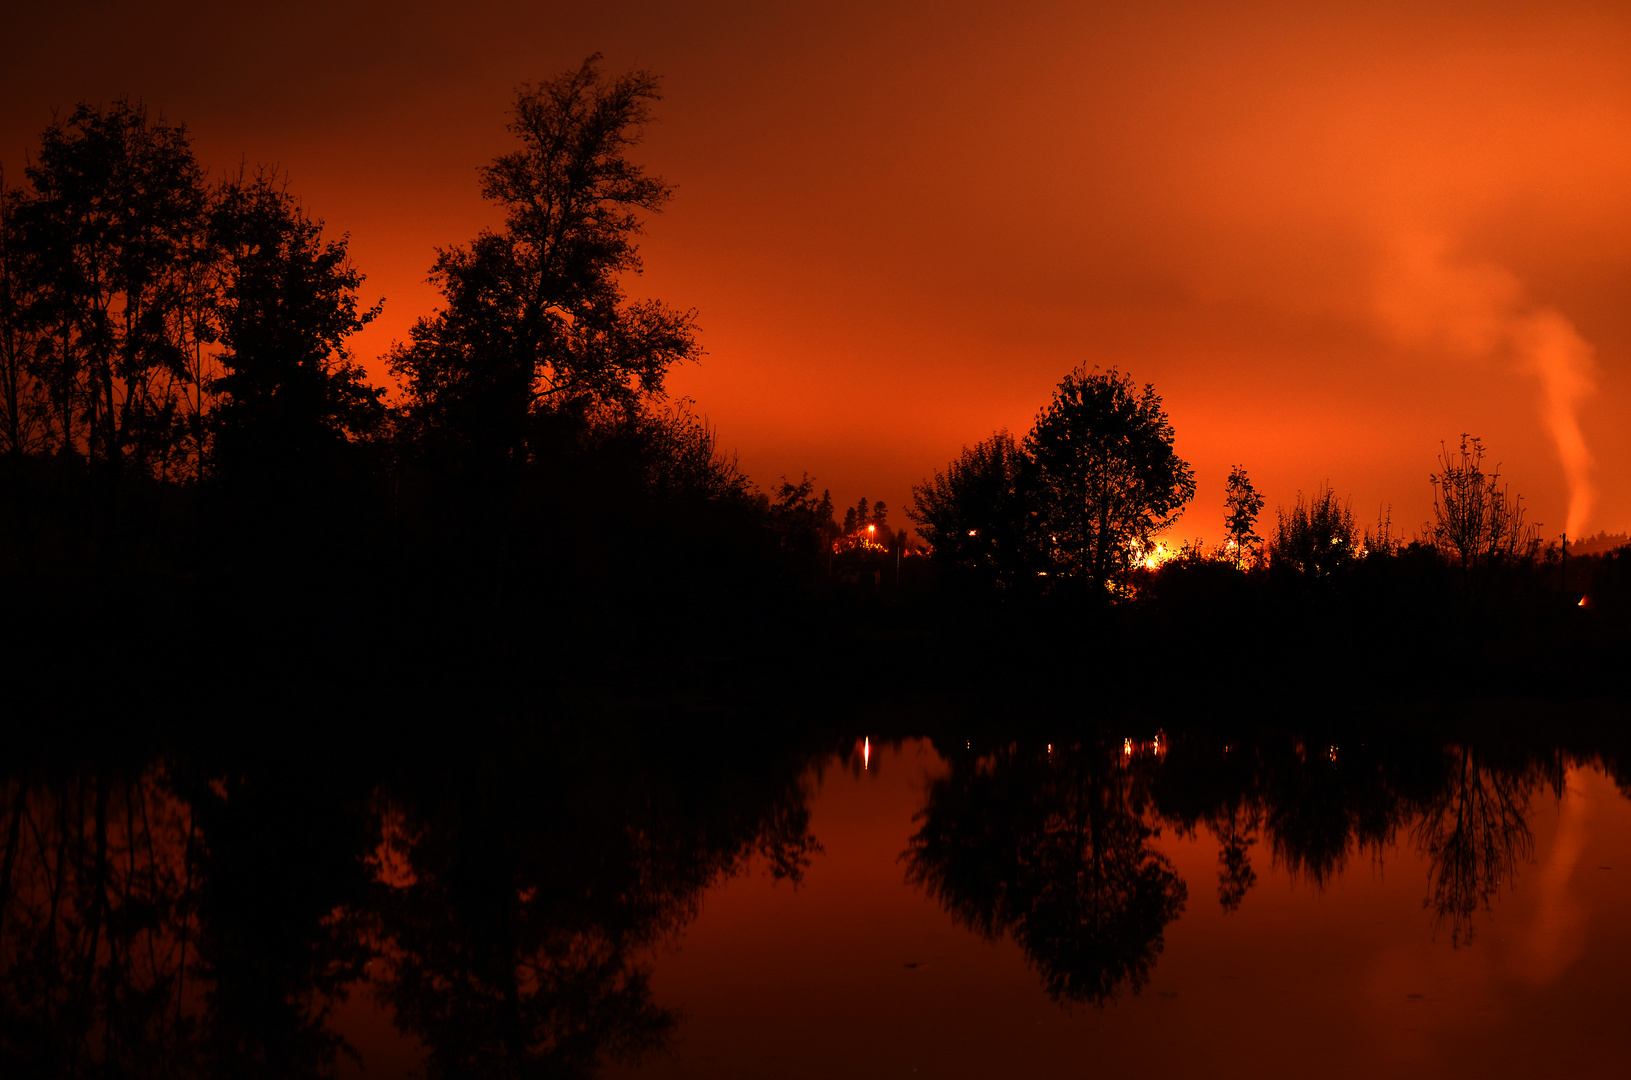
<point>202,491</point>
<point>1054,540</point>
<point>203,494</point>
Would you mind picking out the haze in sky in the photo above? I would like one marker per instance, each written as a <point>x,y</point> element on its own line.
<point>1330,235</point>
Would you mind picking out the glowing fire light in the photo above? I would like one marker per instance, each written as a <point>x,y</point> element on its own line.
<point>1153,556</point>
<point>1126,748</point>
<point>866,753</point>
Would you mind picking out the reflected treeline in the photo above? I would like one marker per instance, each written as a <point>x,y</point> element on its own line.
<point>198,913</point>
<point>1053,849</point>
<point>194,918</point>
<point>520,894</point>
<point>1053,844</point>
<point>98,917</point>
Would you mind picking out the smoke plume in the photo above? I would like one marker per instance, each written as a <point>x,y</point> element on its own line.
<point>1478,311</point>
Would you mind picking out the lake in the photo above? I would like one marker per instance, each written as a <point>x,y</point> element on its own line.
<point>1401,897</point>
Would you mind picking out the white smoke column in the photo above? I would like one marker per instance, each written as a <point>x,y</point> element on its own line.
<point>1550,346</point>
<point>1478,311</point>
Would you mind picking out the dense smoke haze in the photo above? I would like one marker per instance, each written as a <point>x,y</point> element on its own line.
<point>1331,237</point>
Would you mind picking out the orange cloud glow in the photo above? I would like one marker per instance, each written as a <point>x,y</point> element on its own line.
<point>1332,235</point>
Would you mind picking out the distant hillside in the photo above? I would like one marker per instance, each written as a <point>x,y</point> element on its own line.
<point>1603,541</point>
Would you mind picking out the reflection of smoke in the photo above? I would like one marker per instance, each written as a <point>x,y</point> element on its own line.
<point>1478,310</point>
<point>1555,938</point>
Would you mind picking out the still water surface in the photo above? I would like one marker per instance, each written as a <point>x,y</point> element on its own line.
<point>651,900</point>
<point>1348,968</point>
<point>858,973</point>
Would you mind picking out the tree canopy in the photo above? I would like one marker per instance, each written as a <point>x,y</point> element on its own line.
<point>1109,477</point>
<point>534,319</point>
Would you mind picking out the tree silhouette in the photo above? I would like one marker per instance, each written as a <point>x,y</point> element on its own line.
<point>1316,537</point>
<point>291,395</point>
<point>114,227</point>
<point>1241,504</point>
<point>1477,520</point>
<point>24,408</point>
<point>978,513</point>
<point>534,318</point>
<point>1108,476</point>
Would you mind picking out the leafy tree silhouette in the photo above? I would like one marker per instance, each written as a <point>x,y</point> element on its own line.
<point>291,397</point>
<point>1108,476</point>
<point>535,321</point>
<point>1242,504</point>
<point>1316,537</point>
<point>24,408</point>
<point>1477,520</point>
<point>114,227</point>
<point>978,514</point>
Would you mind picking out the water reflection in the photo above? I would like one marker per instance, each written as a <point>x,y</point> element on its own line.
<point>189,915</point>
<point>1052,849</point>
<point>1051,844</point>
<point>154,925</point>
<point>1474,831</point>
<point>173,920</point>
<point>517,934</point>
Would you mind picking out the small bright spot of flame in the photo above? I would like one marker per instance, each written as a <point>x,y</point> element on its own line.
<point>1050,748</point>
<point>1582,603</point>
<point>1332,753</point>
<point>974,532</point>
<point>866,753</point>
<point>1152,557</point>
<point>1126,748</point>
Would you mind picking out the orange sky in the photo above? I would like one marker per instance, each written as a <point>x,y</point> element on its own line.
<point>1330,237</point>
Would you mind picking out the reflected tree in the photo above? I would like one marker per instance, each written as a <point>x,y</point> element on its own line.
<point>1322,804</point>
<point>158,924</point>
<point>1053,849</point>
<point>1474,831</point>
<point>97,924</point>
<point>1236,827</point>
<point>520,899</point>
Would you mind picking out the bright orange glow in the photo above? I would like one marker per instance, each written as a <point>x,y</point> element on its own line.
<point>1329,234</point>
<point>866,753</point>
